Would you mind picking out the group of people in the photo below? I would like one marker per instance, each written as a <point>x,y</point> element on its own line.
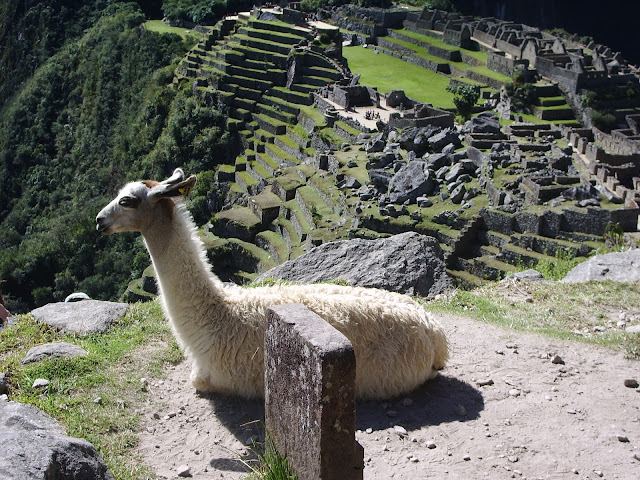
<point>371,115</point>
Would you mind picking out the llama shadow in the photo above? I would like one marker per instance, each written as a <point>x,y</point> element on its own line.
<point>244,419</point>
<point>444,399</point>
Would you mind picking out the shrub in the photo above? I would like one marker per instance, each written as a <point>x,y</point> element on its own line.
<point>465,98</point>
<point>602,121</point>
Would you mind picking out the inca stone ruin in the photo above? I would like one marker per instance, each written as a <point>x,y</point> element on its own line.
<point>323,157</point>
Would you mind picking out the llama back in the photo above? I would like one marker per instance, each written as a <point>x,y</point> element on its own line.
<point>397,346</point>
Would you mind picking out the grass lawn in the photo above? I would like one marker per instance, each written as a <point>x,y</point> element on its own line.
<point>390,73</point>
<point>160,27</point>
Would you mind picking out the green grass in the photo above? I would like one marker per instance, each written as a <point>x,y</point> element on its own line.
<point>160,27</point>
<point>138,346</point>
<point>555,309</point>
<point>390,73</point>
<point>436,42</point>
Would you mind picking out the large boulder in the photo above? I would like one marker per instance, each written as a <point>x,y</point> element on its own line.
<point>408,263</point>
<point>485,122</point>
<point>617,266</point>
<point>413,180</point>
<point>444,138</point>
<point>34,447</point>
<point>86,317</point>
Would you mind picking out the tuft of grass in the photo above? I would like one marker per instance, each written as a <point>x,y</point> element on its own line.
<point>96,396</point>
<point>588,314</point>
<point>556,269</point>
<point>272,465</point>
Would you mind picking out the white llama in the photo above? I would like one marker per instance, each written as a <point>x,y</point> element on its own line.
<point>221,329</point>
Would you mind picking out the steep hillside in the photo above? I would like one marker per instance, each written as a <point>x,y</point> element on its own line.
<point>102,109</point>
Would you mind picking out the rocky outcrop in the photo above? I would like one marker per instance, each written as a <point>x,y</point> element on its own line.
<point>34,447</point>
<point>617,266</point>
<point>408,263</point>
<point>86,317</point>
<point>53,350</point>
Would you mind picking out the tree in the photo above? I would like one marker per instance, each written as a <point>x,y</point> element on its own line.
<point>465,98</point>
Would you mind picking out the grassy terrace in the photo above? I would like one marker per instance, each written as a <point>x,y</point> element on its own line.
<point>390,73</point>
<point>436,42</point>
<point>160,27</point>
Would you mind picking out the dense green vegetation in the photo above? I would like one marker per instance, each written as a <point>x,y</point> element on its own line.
<point>102,110</point>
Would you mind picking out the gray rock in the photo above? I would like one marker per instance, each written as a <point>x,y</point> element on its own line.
<point>408,263</point>
<point>444,138</point>
<point>380,178</point>
<point>454,172</point>
<point>380,160</point>
<point>633,329</point>
<point>424,202</point>
<point>631,383</point>
<point>525,276</point>
<point>617,266</point>
<point>458,194</point>
<point>485,122</point>
<point>412,181</point>
<point>53,350</point>
<point>86,317</point>
<point>40,383</point>
<point>438,160</point>
<point>34,447</point>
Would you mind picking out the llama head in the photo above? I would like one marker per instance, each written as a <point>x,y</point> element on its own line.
<point>139,204</point>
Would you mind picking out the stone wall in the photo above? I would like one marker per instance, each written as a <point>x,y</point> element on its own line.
<point>500,63</point>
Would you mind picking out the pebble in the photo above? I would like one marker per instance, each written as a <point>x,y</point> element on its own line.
<point>513,459</point>
<point>430,444</point>
<point>407,402</point>
<point>98,400</point>
<point>484,383</point>
<point>598,473</point>
<point>414,459</point>
<point>40,383</point>
<point>575,470</point>
<point>400,430</point>
<point>622,438</point>
<point>514,392</point>
<point>636,456</point>
<point>557,359</point>
<point>369,430</point>
<point>466,458</point>
<point>631,383</point>
<point>183,471</point>
<point>156,416</point>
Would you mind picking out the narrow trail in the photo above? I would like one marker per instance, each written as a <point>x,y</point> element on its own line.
<point>501,409</point>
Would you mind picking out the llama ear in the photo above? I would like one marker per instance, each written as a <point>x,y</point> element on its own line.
<point>178,189</point>
<point>176,176</point>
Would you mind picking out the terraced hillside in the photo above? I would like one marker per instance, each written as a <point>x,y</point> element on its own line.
<point>304,178</point>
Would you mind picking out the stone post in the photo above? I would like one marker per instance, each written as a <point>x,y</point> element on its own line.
<point>310,408</point>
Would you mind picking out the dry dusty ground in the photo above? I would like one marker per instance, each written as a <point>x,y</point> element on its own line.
<point>537,420</point>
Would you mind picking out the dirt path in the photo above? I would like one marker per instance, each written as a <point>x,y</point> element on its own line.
<point>537,419</point>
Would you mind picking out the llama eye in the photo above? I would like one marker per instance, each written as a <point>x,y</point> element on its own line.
<point>129,202</point>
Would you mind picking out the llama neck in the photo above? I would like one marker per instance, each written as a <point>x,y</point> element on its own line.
<point>180,262</point>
